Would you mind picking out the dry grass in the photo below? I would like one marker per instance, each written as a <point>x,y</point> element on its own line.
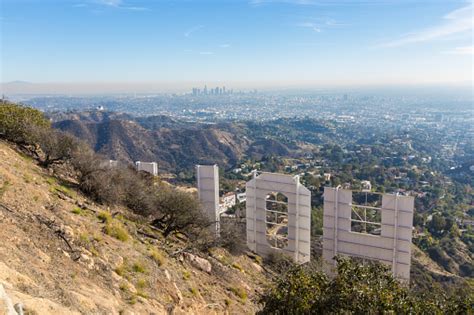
<point>157,257</point>
<point>117,230</point>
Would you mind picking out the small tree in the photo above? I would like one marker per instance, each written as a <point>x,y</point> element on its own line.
<point>56,146</point>
<point>232,236</point>
<point>140,194</point>
<point>97,179</point>
<point>178,211</point>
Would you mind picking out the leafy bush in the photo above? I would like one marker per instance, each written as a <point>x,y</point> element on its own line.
<point>358,289</point>
<point>16,122</point>
<point>29,128</point>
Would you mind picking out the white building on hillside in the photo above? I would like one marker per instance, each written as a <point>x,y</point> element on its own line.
<point>366,185</point>
<point>227,201</point>
<point>149,167</point>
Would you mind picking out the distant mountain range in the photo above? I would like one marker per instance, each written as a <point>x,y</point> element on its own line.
<point>175,145</point>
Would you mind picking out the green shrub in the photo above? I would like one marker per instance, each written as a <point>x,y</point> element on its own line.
<point>238,267</point>
<point>77,210</point>
<point>142,283</point>
<point>240,292</point>
<point>139,267</point>
<point>123,287</point>
<point>51,180</point>
<point>132,300</point>
<point>94,251</point>
<point>142,294</point>
<point>16,122</point>
<point>356,289</point>
<point>84,238</point>
<point>193,291</point>
<point>104,216</point>
<point>121,270</point>
<point>117,230</point>
<point>97,237</point>
<point>186,275</point>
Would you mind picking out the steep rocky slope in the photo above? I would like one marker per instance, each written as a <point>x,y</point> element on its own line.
<point>63,254</point>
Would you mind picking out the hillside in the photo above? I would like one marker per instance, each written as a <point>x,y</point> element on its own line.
<point>65,252</point>
<point>176,145</point>
<point>62,253</point>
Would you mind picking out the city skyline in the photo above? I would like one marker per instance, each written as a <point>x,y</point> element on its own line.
<point>109,45</point>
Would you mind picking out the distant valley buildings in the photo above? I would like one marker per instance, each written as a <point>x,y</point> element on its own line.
<point>212,91</point>
<point>227,201</point>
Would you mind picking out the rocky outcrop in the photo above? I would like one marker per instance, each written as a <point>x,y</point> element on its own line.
<point>198,262</point>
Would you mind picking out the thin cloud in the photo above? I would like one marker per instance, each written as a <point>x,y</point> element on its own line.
<point>299,2</point>
<point>321,24</point>
<point>466,50</point>
<point>135,8</point>
<point>192,30</point>
<point>311,26</point>
<point>112,3</point>
<point>326,2</point>
<point>331,22</point>
<point>207,53</point>
<point>119,4</point>
<point>455,22</point>
<point>224,45</point>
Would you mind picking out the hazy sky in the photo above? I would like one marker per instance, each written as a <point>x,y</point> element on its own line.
<point>272,41</point>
